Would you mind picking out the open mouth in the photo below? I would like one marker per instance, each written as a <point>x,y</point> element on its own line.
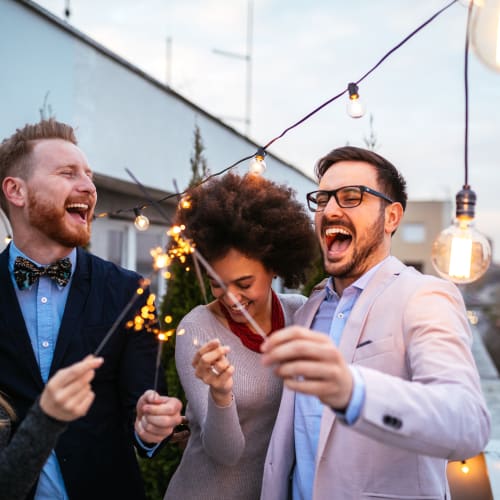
<point>78,211</point>
<point>337,239</point>
<point>238,307</point>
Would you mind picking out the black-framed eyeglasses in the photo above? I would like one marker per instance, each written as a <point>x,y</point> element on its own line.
<point>346,197</point>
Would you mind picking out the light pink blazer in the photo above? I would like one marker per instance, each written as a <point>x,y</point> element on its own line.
<point>423,401</point>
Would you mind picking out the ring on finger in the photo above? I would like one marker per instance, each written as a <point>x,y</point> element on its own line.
<point>214,370</point>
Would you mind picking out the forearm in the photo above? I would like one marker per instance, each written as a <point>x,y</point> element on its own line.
<point>221,433</point>
<point>22,460</point>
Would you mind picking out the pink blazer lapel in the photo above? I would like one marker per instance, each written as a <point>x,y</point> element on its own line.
<point>355,325</point>
<point>353,330</point>
<point>305,315</point>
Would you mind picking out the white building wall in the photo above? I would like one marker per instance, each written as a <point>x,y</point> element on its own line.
<point>124,118</point>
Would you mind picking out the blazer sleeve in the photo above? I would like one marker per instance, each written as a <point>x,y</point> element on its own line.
<point>23,458</point>
<point>434,405</point>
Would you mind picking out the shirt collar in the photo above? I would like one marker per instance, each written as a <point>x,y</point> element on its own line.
<point>360,283</point>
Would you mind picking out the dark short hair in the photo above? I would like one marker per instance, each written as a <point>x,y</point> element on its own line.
<point>390,179</point>
<point>256,217</point>
<point>16,149</point>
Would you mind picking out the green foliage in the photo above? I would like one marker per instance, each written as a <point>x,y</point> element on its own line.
<point>183,294</point>
<point>317,275</point>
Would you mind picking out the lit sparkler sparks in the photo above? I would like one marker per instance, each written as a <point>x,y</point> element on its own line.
<point>147,319</point>
<point>143,284</point>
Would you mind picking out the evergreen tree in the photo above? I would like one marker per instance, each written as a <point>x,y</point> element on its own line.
<point>183,294</point>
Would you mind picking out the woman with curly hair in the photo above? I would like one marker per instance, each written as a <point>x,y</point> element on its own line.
<point>250,230</point>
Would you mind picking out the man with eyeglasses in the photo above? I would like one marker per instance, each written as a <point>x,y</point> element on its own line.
<point>382,390</point>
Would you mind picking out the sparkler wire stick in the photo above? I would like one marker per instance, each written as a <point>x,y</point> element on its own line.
<point>119,319</point>
<point>158,359</point>
<point>199,276</point>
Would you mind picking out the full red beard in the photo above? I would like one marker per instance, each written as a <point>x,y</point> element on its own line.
<point>49,219</point>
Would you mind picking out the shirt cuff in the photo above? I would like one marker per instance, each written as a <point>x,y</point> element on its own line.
<point>353,410</point>
<point>149,449</point>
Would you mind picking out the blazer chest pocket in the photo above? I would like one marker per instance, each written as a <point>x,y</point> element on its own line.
<point>369,349</point>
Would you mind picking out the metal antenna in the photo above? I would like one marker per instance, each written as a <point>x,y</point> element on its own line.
<point>248,58</point>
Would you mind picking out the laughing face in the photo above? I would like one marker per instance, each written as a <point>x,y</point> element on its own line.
<point>249,281</point>
<point>60,194</point>
<point>353,239</point>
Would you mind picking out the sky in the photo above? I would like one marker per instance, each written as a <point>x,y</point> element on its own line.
<point>305,52</point>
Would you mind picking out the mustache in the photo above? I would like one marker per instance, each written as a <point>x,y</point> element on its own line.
<point>86,200</point>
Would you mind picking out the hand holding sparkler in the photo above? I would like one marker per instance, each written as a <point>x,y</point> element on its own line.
<point>157,416</point>
<point>309,362</point>
<point>214,369</point>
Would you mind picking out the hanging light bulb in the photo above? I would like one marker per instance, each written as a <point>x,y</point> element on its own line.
<point>485,32</point>
<point>355,107</point>
<point>141,222</point>
<point>460,253</point>
<point>465,468</point>
<point>478,3</point>
<point>257,164</point>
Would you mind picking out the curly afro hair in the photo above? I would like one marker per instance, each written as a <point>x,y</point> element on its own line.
<point>255,216</point>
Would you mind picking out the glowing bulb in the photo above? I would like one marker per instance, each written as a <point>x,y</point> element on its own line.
<point>460,253</point>
<point>479,3</point>
<point>485,32</point>
<point>465,468</point>
<point>141,222</point>
<point>355,107</point>
<point>257,164</point>
<point>185,203</point>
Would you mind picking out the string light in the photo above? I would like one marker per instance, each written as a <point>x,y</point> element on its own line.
<point>460,253</point>
<point>485,32</point>
<point>257,164</point>
<point>464,467</point>
<point>141,222</point>
<point>355,108</point>
<point>300,121</point>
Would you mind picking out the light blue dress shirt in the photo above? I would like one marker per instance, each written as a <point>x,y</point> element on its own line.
<point>43,306</point>
<point>330,319</point>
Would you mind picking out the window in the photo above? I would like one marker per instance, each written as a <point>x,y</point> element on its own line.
<point>116,247</point>
<point>413,232</point>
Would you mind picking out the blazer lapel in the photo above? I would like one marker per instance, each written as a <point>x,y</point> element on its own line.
<point>74,311</point>
<point>353,330</point>
<point>305,315</point>
<point>13,329</point>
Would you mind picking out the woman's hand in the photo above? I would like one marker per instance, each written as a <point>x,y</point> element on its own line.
<point>213,368</point>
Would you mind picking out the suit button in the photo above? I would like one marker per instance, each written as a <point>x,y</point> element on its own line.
<point>392,421</point>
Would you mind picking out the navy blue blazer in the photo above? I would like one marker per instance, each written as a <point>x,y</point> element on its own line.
<point>96,453</point>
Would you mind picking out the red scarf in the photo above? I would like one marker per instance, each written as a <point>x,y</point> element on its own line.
<point>249,338</point>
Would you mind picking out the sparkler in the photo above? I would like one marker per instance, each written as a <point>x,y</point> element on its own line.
<point>147,319</point>
<point>144,283</point>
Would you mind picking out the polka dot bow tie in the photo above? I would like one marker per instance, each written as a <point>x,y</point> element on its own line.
<point>26,272</point>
